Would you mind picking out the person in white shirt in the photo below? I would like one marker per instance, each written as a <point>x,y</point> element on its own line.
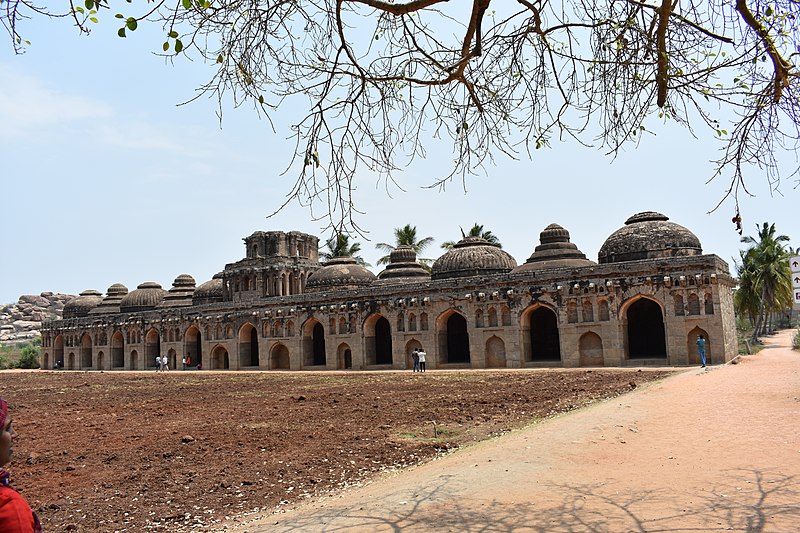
<point>421,353</point>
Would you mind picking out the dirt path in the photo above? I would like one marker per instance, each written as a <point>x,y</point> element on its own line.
<point>715,450</point>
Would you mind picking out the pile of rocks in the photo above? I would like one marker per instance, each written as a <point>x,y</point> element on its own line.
<point>23,319</point>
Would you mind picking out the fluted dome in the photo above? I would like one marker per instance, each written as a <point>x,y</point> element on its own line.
<point>555,251</point>
<point>82,304</point>
<point>403,267</point>
<point>110,303</point>
<point>472,256</point>
<point>340,273</point>
<point>209,292</point>
<point>180,295</point>
<point>649,235</point>
<point>146,296</point>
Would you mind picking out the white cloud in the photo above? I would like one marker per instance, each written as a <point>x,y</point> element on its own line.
<point>28,105</point>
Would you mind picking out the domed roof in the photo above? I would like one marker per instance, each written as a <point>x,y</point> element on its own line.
<point>146,296</point>
<point>649,235</point>
<point>339,273</point>
<point>180,295</point>
<point>403,267</point>
<point>82,304</point>
<point>555,251</point>
<point>472,256</point>
<point>209,292</point>
<point>110,303</point>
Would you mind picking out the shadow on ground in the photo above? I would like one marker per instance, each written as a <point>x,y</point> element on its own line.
<point>754,501</point>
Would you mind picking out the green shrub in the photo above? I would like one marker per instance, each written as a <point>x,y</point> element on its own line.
<point>29,358</point>
<point>4,362</point>
<point>796,340</point>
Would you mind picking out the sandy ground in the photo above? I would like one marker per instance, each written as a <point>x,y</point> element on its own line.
<point>704,450</point>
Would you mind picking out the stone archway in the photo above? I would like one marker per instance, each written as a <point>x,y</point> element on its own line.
<point>248,346</point>
<point>495,352</point>
<point>453,337</point>
<point>193,346</point>
<point>152,347</point>
<point>544,343</point>
<point>691,346</point>
<point>220,359</point>
<point>344,357</point>
<point>117,350</point>
<point>645,330</point>
<point>279,358</point>
<point>314,344</point>
<point>590,348</point>
<point>86,351</point>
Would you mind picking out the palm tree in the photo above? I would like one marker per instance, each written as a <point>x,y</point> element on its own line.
<point>406,236</point>
<point>767,275</point>
<point>475,231</point>
<point>339,246</point>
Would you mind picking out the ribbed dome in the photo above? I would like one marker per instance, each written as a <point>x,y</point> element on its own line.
<point>649,235</point>
<point>110,303</point>
<point>209,292</point>
<point>180,295</point>
<point>146,296</point>
<point>339,273</point>
<point>472,256</point>
<point>403,267</point>
<point>555,251</point>
<point>82,304</point>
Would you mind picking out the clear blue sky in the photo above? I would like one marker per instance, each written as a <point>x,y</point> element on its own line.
<point>104,179</point>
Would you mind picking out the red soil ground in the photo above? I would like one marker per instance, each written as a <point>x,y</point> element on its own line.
<point>177,451</point>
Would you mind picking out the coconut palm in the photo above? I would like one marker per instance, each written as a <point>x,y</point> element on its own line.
<point>406,236</point>
<point>339,246</point>
<point>766,273</point>
<point>475,231</point>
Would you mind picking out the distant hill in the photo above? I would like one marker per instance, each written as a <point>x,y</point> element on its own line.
<point>23,319</point>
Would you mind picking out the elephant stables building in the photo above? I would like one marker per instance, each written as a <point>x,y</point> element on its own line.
<point>650,294</point>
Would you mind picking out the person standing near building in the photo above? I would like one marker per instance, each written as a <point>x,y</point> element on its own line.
<point>164,363</point>
<point>415,359</point>
<point>16,516</point>
<point>421,354</point>
<point>701,350</point>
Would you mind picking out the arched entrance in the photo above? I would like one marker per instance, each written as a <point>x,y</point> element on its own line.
<point>383,342</point>
<point>220,359</point>
<point>248,346</point>
<point>117,350</point>
<point>545,343</point>
<point>495,352</point>
<point>344,357</point>
<point>101,361</point>
<point>193,346</point>
<point>590,347</point>
<point>691,346</point>
<point>134,360</point>
<point>313,344</point>
<point>279,359</point>
<point>410,345</point>
<point>86,351</point>
<point>71,361</point>
<point>645,330</point>
<point>172,358</point>
<point>152,348</point>
<point>58,352</point>
<point>453,339</point>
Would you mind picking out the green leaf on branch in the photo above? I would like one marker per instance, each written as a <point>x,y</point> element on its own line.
<point>173,34</point>
<point>89,4</point>
<point>187,4</point>
<point>166,46</point>
<point>178,46</point>
<point>131,23</point>
<point>121,32</point>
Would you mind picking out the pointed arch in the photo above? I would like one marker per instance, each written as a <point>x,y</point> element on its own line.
<point>452,337</point>
<point>693,304</point>
<point>58,351</point>
<point>193,346</point>
<point>86,351</point>
<point>495,352</point>
<point>540,335</point>
<point>248,346</point>
<point>645,333</point>
<point>344,356</point>
<point>492,317</point>
<point>279,357</point>
<point>691,346</point>
<point>313,343</point>
<point>117,350</point>
<point>590,348</point>
<point>152,347</point>
<point>220,360</point>
<point>378,340</point>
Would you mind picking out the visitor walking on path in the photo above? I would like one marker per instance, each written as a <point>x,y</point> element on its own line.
<point>701,350</point>
<point>421,354</point>
<point>16,516</point>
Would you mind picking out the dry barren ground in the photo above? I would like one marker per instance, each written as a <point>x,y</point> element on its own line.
<point>106,451</point>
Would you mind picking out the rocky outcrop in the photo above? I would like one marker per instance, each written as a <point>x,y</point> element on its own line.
<point>23,319</point>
